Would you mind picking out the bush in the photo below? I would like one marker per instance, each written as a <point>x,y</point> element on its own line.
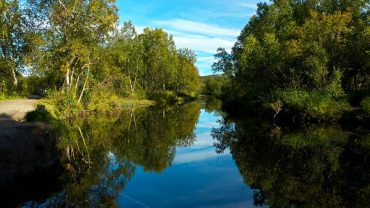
<point>39,116</point>
<point>61,105</point>
<point>314,104</point>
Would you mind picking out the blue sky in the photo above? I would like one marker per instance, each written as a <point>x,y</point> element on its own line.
<point>200,25</point>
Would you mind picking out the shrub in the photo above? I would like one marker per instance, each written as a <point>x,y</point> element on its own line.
<point>315,104</point>
<point>39,116</point>
<point>61,105</point>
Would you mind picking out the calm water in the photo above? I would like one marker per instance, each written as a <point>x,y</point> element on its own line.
<point>194,156</point>
<point>198,177</point>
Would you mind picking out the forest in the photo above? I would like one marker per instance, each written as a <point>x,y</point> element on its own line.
<point>310,58</point>
<point>79,55</point>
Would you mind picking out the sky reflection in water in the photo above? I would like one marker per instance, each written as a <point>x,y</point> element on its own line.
<point>199,177</point>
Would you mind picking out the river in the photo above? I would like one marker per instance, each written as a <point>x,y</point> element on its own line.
<point>194,155</point>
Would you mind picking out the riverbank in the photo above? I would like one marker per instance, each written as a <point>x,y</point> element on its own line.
<point>62,108</point>
<point>303,112</point>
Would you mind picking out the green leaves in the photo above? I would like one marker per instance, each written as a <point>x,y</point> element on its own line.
<point>149,62</point>
<point>306,45</point>
<point>16,43</point>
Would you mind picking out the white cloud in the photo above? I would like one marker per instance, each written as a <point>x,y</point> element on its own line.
<point>198,28</point>
<point>198,43</point>
<point>202,43</point>
<point>249,5</point>
<point>139,29</point>
<point>200,37</point>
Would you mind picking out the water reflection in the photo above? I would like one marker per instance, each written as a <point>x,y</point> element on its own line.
<point>101,153</point>
<point>193,155</point>
<point>317,166</point>
<point>198,177</point>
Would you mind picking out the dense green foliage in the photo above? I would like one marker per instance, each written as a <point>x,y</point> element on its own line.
<point>76,51</point>
<point>214,85</point>
<point>314,51</point>
<point>150,62</point>
<point>17,41</point>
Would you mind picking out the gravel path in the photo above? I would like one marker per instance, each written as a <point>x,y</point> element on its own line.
<point>15,110</point>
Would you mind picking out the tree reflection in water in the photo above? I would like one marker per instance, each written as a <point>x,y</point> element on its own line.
<point>101,153</point>
<point>318,166</point>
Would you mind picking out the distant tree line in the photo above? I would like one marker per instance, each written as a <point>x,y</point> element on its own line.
<point>311,55</point>
<point>76,47</point>
<point>214,85</point>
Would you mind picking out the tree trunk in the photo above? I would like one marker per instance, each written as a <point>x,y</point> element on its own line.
<point>134,84</point>
<point>67,79</point>
<point>131,87</point>
<point>85,83</point>
<point>83,89</point>
<point>15,80</point>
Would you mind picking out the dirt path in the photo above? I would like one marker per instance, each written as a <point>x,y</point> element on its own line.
<point>15,110</point>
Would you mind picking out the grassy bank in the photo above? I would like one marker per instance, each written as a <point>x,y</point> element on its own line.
<point>64,108</point>
<point>55,110</point>
<point>302,106</point>
<point>60,105</point>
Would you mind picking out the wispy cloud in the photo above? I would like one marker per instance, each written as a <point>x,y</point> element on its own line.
<point>200,37</point>
<point>198,28</point>
<point>202,43</point>
<point>198,42</point>
<point>248,5</point>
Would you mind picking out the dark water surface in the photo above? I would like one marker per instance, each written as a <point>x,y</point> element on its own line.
<point>194,156</point>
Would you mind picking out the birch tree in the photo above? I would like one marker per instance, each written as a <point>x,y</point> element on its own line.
<point>75,30</point>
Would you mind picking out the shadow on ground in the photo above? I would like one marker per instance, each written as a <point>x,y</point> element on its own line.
<point>29,161</point>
